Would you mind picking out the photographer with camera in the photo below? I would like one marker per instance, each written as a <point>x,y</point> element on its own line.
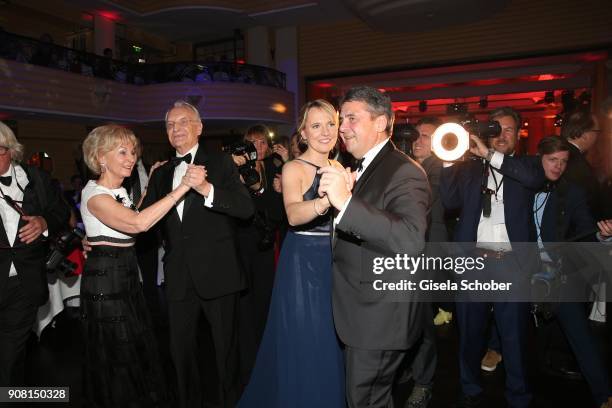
<point>560,212</point>
<point>257,236</point>
<point>31,209</point>
<point>493,194</point>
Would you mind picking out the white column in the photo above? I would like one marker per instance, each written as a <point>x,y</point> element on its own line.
<point>104,34</point>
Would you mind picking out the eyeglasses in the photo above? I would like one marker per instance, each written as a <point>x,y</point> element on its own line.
<point>3,150</point>
<point>180,124</point>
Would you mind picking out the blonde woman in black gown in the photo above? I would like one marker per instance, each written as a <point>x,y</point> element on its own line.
<point>122,366</point>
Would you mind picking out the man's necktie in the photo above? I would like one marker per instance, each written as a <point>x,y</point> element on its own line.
<point>6,180</point>
<point>177,160</point>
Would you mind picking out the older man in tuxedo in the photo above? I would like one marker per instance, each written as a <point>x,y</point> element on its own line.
<point>202,272</point>
<point>384,214</point>
<point>30,209</point>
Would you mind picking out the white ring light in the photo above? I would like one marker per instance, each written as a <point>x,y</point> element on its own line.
<point>463,141</point>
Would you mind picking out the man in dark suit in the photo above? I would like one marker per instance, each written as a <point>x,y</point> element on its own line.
<point>424,362</point>
<point>385,214</point>
<point>494,195</point>
<point>201,264</point>
<point>561,212</point>
<point>581,129</point>
<point>30,209</point>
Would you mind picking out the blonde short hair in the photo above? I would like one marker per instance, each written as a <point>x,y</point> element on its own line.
<point>319,104</point>
<point>8,139</point>
<point>102,140</point>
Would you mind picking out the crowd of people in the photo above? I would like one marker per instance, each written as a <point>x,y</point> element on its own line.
<point>131,69</point>
<point>274,260</point>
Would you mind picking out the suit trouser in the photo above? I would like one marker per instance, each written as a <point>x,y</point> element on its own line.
<point>511,320</point>
<point>573,320</point>
<point>426,359</point>
<point>17,315</point>
<point>221,315</point>
<point>370,375</point>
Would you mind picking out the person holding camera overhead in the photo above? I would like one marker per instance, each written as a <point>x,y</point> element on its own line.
<point>492,194</point>
<point>30,209</point>
<point>299,363</point>
<point>257,237</point>
<point>122,365</point>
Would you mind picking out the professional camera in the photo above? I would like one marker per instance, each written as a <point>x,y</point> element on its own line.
<point>60,248</point>
<point>482,129</point>
<point>277,161</point>
<point>404,134</point>
<point>247,149</point>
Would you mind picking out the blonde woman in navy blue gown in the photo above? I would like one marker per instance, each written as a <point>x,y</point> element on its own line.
<point>299,363</point>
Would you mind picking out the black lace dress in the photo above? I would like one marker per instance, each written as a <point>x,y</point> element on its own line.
<point>122,366</point>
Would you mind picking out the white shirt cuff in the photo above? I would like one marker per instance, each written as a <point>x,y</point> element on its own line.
<point>208,201</point>
<point>341,213</point>
<point>497,160</point>
<point>600,238</point>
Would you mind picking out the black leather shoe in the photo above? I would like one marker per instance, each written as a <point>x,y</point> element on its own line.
<point>567,371</point>
<point>419,397</point>
<point>469,401</point>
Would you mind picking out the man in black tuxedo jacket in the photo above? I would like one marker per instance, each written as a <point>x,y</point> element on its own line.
<point>581,129</point>
<point>495,196</point>
<point>202,271</point>
<point>30,208</point>
<point>385,214</point>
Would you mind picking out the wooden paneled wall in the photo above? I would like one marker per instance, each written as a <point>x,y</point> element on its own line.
<point>525,27</point>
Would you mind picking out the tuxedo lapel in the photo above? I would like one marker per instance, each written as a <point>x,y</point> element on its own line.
<point>372,167</point>
<point>359,185</point>
<point>4,242</point>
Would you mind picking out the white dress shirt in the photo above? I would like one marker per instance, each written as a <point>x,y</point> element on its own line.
<point>367,159</point>
<point>493,228</point>
<point>179,172</point>
<point>10,217</point>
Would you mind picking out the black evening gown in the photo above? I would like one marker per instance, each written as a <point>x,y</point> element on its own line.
<point>122,363</point>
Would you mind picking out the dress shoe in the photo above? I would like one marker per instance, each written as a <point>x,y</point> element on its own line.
<point>490,360</point>
<point>469,401</point>
<point>419,397</point>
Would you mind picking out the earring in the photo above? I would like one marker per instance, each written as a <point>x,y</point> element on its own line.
<point>102,167</point>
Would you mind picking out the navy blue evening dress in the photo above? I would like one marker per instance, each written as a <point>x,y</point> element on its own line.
<point>299,363</point>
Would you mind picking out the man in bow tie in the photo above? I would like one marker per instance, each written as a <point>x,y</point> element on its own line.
<point>202,273</point>
<point>384,214</point>
<point>30,209</point>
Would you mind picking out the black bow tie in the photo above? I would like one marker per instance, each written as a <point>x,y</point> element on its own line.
<point>177,160</point>
<point>358,166</point>
<point>6,180</point>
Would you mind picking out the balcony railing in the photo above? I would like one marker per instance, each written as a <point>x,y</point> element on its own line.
<point>31,51</point>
